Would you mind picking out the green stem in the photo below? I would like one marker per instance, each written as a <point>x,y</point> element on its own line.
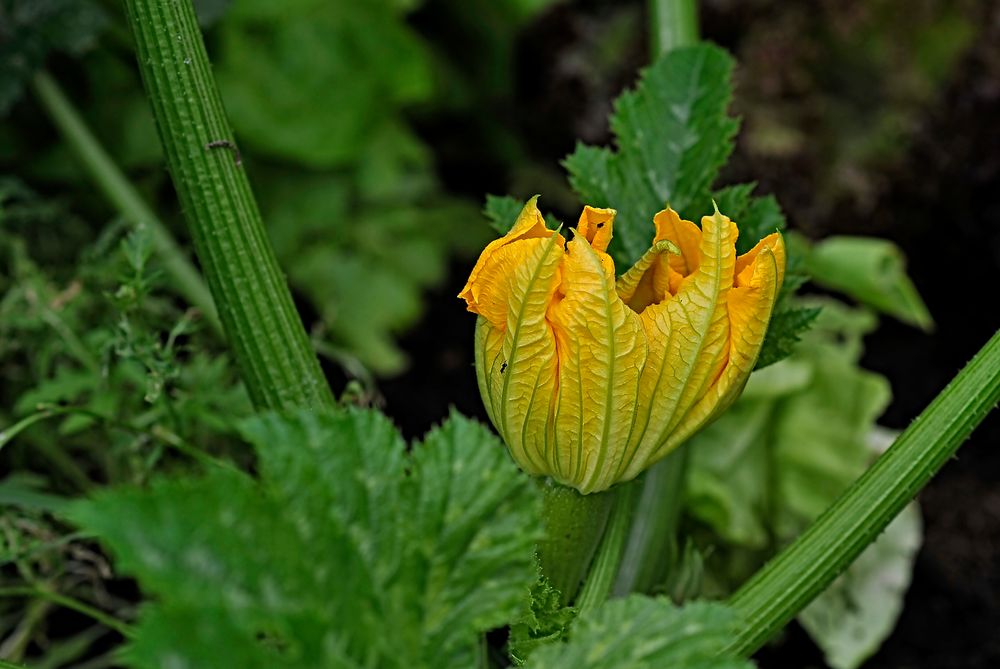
<point>673,24</point>
<point>805,568</point>
<point>105,619</point>
<point>602,573</point>
<point>122,194</point>
<point>268,340</point>
<point>651,547</point>
<point>574,524</point>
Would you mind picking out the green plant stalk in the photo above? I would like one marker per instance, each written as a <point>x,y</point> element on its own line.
<point>774,595</point>
<point>267,337</point>
<point>673,24</point>
<point>647,559</point>
<point>122,194</point>
<point>604,569</point>
<point>574,525</point>
<point>105,619</point>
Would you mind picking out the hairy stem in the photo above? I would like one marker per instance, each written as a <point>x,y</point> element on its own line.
<point>574,524</point>
<point>268,340</point>
<point>602,574</point>
<point>805,568</point>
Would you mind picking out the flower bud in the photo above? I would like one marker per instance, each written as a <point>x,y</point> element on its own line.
<point>589,379</point>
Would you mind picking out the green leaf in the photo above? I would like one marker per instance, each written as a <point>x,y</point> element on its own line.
<point>502,210</point>
<point>545,620</point>
<point>784,331</point>
<point>763,216</point>
<point>358,62</point>
<point>672,135</point>
<point>873,271</point>
<point>642,632</point>
<point>852,618</point>
<point>348,552</point>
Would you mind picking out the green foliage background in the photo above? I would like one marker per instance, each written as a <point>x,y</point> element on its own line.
<point>376,552</point>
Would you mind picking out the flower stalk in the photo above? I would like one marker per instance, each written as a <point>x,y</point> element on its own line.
<point>604,569</point>
<point>574,526</point>
<point>267,337</point>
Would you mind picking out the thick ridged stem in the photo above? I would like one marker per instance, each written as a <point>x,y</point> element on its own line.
<point>261,324</point>
<point>805,568</point>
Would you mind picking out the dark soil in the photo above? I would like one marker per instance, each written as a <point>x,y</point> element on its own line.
<point>940,202</point>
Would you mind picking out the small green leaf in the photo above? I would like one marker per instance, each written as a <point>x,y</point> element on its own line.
<point>763,216</point>
<point>672,134</point>
<point>502,210</point>
<point>783,333</point>
<point>873,271</point>
<point>349,552</point>
<point>645,633</point>
<point>545,620</point>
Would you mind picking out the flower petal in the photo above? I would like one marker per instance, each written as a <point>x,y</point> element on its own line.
<point>688,336</point>
<point>595,226</point>
<point>744,263</point>
<point>750,307</point>
<point>518,364</point>
<point>601,352</point>
<point>687,237</point>
<point>487,290</point>
<point>646,282</point>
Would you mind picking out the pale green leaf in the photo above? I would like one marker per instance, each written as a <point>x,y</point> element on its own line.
<point>871,270</point>
<point>789,446</point>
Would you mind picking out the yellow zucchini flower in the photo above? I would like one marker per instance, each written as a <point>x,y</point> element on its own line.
<point>590,380</point>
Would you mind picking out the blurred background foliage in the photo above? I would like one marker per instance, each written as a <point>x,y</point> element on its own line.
<point>371,131</point>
